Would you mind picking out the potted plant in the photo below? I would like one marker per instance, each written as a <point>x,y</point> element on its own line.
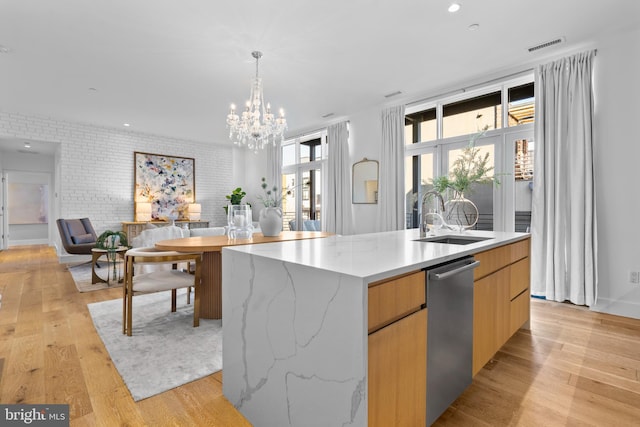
<point>271,215</point>
<point>470,168</point>
<point>235,198</point>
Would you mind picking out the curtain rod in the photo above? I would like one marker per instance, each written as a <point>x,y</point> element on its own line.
<point>311,132</point>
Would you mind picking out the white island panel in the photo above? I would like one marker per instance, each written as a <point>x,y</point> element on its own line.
<point>294,342</point>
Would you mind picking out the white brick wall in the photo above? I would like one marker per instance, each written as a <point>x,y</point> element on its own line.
<point>95,167</point>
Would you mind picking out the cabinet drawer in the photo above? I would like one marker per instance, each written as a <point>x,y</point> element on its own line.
<point>491,260</point>
<point>519,250</point>
<point>392,299</point>
<point>519,280</point>
<point>520,308</point>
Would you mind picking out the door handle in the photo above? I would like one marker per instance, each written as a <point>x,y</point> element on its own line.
<point>447,274</point>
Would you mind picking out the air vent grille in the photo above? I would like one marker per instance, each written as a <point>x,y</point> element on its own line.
<point>546,44</point>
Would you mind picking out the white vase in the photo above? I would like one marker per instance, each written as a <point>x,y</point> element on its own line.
<point>270,221</point>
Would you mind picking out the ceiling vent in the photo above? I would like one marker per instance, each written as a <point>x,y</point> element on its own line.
<point>546,44</point>
<point>392,94</point>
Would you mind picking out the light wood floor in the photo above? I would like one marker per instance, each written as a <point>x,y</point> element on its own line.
<point>574,368</point>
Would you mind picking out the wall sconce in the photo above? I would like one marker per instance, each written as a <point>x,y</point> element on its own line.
<point>143,211</point>
<point>194,211</point>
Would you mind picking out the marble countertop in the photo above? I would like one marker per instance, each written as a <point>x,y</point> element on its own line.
<point>375,256</point>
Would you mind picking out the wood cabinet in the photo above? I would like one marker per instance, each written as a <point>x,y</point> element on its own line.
<point>397,352</point>
<point>133,228</point>
<point>501,298</point>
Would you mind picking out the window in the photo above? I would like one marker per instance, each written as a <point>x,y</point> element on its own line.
<point>420,126</point>
<point>303,160</point>
<point>521,105</point>
<point>437,131</point>
<point>468,116</point>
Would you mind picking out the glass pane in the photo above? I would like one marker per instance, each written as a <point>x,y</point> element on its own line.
<point>289,202</point>
<point>422,126</point>
<point>523,185</point>
<point>471,115</point>
<point>311,200</point>
<point>288,154</point>
<point>521,105</point>
<point>408,134</point>
<point>305,153</point>
<point>418,176</point>
<point>310,150</point>
<point>480,194</point>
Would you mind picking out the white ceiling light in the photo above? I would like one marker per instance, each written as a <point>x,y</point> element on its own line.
<point>4,49</point>
<point>473,27</point>
<point>454,7</point>
<point>126,125</point>
<point>257,126</point>
<point>27,145</point>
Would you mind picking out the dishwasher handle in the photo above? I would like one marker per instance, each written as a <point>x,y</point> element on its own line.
<point>447,274</point>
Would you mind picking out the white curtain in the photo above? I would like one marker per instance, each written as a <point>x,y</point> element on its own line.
<point>274,164</point>
<point>338,214</point>
<point>391,182</point>
<point>563,227</point>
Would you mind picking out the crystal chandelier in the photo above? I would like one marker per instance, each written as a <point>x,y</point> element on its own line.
<point>257,126</point>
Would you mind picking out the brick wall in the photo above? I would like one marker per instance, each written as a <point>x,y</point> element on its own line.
<point>94,167</point>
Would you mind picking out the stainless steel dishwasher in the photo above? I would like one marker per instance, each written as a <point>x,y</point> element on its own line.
<point>449,333</point>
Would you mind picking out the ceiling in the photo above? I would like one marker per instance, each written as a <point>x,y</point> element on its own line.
<point>172,68</point>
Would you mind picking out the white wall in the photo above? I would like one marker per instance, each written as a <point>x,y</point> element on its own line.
<point>94,170</point>
<point>617,150</point>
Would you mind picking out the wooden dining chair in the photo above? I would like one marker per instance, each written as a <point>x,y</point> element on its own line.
<point>158,280</point>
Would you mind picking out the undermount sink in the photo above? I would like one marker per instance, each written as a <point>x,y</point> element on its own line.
<point>453,240</point>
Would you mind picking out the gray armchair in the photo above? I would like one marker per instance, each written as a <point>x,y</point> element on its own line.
<point>78,236</point>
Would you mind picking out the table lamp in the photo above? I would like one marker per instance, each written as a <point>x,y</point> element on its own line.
<point>194,211</point>
<point>143,211</point>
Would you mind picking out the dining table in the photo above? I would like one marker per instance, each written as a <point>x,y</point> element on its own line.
<point>211,248</point>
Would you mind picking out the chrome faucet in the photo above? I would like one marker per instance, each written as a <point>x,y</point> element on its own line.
<point>424,227</point>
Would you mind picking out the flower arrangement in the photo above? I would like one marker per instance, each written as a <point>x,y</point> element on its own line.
<point>468,169</point>
<point>272,195</point>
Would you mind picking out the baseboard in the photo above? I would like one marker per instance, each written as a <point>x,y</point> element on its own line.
<point>27,242</point>
<point>617,307</point>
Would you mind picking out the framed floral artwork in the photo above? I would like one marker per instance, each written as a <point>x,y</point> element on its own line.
<point>167,182</point>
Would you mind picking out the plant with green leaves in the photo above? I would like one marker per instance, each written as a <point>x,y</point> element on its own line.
<point>112,240</point>
<point>470,168</point>
<point>235,198</point>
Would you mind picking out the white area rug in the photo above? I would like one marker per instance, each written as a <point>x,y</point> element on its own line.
<point>82,276</point>
<point>165,350</point>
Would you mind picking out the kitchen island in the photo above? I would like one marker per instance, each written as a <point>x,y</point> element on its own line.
<point>297,332</point>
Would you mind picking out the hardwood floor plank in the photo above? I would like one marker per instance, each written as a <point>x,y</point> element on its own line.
<point>574,367</point>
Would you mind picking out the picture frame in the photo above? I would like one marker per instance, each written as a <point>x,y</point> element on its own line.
<point>167,182</point>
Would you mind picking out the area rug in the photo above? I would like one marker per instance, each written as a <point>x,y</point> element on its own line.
<point>82,276</point>
<point>165,350</point>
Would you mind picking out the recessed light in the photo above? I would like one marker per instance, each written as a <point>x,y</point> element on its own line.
<point>392,94</point>
<point>454,7</point>
<point>93,89</point>
<point>126,125</point>
<point>4,49</point>
<point>27,145</point>
<point>326,116</point>
<point>473,27</point>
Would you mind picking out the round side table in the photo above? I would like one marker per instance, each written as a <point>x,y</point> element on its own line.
<point>96,254</point>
